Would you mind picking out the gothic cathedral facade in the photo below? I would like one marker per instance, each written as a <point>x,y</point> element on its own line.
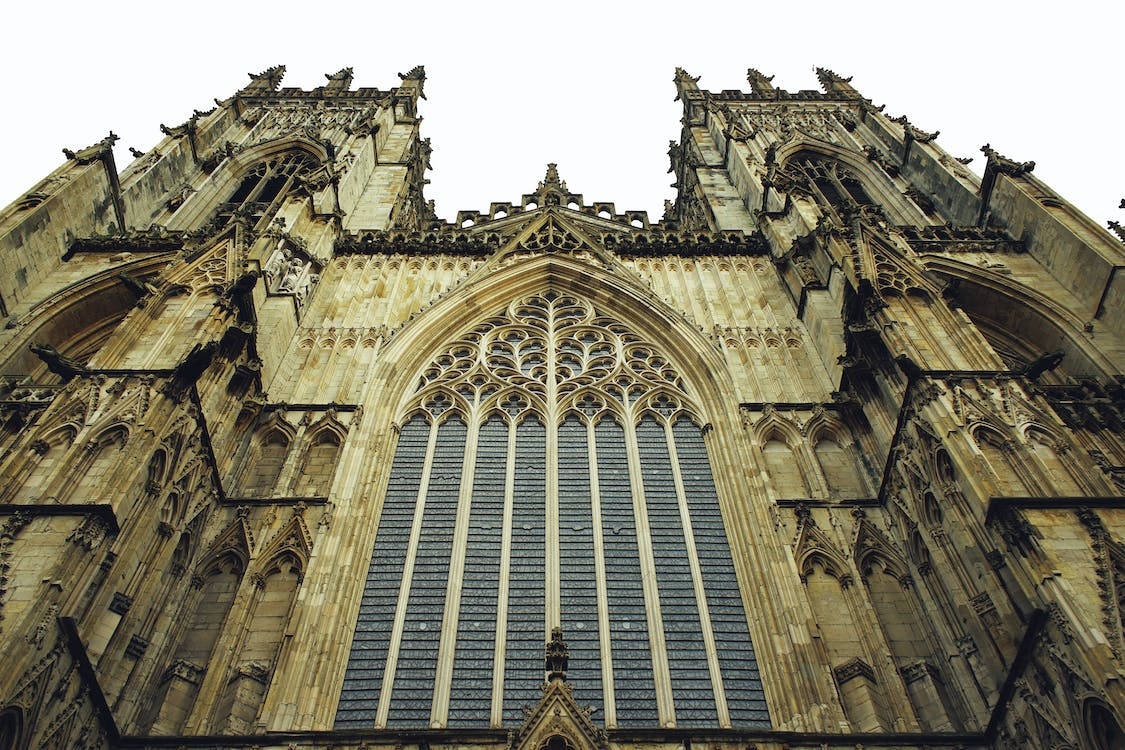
<point>830,456</point>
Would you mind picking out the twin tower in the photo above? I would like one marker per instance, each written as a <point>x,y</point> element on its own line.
<point>831,455</point>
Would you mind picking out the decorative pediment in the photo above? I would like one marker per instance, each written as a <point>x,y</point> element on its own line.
<point>292,538</point>
<point>236,538</point>
<point>557,722</point>
<point>884,267</point>
<point>872,547</point>
<point>812,546</point>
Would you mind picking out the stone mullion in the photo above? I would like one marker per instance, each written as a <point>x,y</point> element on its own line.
<point>662,676</point>
<point>447,647</point>
<point>877,650</point>
<point>552,575</point>
<point>662,277</point>
<point>608,699</point>
<point>497,715</point>
<point>697,581</point>
<point>407,577</point>
<point>946,633</point>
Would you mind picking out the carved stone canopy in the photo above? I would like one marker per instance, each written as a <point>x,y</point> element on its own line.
<point>557,656</point>
<point>557,722</point>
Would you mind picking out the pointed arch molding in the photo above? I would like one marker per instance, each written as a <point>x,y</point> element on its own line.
<point>693,354</point>
<point>225,178</point>
<point>1083,357</point>
<point>739,494</point>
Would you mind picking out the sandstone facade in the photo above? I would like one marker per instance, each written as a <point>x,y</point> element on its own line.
<point>832,455</point>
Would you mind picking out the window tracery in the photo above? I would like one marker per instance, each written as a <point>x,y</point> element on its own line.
<point>567,453</point>
<point>263,187</point>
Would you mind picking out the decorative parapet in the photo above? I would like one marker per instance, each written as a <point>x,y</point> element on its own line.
<point>950,239</point>
<point>639,243</point>
<point>155,239</point>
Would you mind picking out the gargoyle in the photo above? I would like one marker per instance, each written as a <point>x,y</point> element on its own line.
<point>138,287</point>
<point>239,292</point>
<point>191,368</point>
<point>63,366</point>
<point>1048,361</point>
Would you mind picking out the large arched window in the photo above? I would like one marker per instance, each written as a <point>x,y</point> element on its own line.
<point>834,184</point>
<point>261,190</point>
<point>557,460</point>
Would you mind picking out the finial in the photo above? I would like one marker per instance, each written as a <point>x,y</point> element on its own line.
<point>834,83</point>
<point>557,656</point>
<point>268,80</point>
<point>551,180</point>
<point>682,76</point>
<point>417,74</point>
<point>760,84</point>
<point>685,82</point>
<point>341,80</point>
<point>551,190</point>
<point>92,153</point>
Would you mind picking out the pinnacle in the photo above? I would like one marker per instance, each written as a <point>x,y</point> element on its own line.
<point>551,180</point>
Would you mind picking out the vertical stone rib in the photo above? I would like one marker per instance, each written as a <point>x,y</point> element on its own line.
<point>497,714</point>
<point>439,710</point>
<point>599,572</point>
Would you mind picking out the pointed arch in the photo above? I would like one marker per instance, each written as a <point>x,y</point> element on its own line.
<point>266,455</point>
<point>1102,729</point>
<point>101,457</point>
<point>875,183</point>
<point>224,181</point>
<point>41,459</point>
<point>549,318</point>
<point>78,319</point>
<point>1032,323</point>
<point>998,453</point>
<point>414,345</point>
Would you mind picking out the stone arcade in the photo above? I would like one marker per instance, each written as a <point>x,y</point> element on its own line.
<point>831,456</point>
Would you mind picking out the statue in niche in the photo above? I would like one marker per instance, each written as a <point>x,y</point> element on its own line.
<point>292,273</point>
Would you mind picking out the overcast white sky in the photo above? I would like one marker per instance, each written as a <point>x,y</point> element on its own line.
<point>512,86</point>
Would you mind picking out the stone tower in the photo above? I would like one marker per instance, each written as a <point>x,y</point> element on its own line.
<point>832,455</point>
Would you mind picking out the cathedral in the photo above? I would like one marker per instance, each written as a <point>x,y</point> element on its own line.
<point>831,455</point>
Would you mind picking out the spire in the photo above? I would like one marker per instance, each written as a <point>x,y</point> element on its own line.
<point>266,81</point>
<point>685,82</point>
<point>836,84</point>
<point>557,656</point>
<point>340,80</point>
<point>760,84</point>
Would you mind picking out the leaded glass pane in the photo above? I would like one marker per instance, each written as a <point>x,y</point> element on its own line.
<point>368,658</point>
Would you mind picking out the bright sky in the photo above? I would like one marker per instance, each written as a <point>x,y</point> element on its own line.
<point>511,86</point>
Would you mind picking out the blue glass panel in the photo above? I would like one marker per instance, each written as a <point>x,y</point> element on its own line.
<point>687,655</point>
<point>578,593</point>
<point>524,658</point>
<point>363,678</point>
<point>417,655</point>
<point>634,687</point>
<point>470,700</point>
<point>742,683</point>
